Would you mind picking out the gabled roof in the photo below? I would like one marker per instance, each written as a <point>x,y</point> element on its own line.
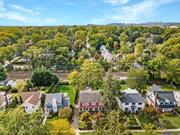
<point>131,96</point>
<point>51,98</point>
<point>155,87</point>
<point>90,96</point>
<point>31,97</point>
<point>164,96</point>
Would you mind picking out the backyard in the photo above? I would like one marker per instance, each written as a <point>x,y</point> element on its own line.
<point>70,91</point>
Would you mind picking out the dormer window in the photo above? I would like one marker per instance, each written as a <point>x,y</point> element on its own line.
<point>126,103</point>
<point>93,103</point>
<point>85,104</point>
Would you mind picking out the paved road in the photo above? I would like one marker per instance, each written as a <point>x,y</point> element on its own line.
<point>75,119</point>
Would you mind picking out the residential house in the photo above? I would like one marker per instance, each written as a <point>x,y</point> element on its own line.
<point>31,101</point>
<point>163,101</point>
<point>5,99</point>
<point>106,54</point>
<point>90,101</point>
<point>131,101</point>
<point>56,101</point>
<point>177,97</point>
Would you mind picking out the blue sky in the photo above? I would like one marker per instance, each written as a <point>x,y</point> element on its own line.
<point>80,12</point>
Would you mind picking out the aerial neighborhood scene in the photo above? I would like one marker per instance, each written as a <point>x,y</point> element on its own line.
<point>89,67</point>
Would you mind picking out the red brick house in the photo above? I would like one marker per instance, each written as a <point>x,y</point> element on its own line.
<point>90,101</point>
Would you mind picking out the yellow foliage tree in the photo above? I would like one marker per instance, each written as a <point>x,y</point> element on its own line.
<point>61,127</point>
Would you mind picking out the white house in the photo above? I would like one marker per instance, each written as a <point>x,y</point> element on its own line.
<point>163,101</point>
<point>56,101</point>
<point>177,97</point>
<point>5,99</point>
<point>131,101</point>
<point>106,54</point>
<point>31,101</point>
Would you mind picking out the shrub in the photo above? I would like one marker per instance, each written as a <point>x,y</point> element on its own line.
<point>65,113</point>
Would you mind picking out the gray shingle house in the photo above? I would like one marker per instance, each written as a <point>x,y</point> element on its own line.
<point>131,101</point>
<point>163,101</point>
<point>56,101</point>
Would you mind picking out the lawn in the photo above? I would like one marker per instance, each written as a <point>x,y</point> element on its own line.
<point>87,133</point>
<point>70,91</point>
<point>167,87</point>
<point>132,122</point>
<point>169,121</point>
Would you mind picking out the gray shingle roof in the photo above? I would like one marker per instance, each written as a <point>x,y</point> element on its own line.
<point>132,98</point>
<point>165,95</point>
<point>54,96</point>
<point>90,96</point>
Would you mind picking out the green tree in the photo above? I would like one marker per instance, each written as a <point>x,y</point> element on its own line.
<point>137,78</point>
<point>113,124</point>
<point>91,74</point>
<point>149,130</point>
<point>17,122</point>
<point>172,71</point>
<point>3,74</point>
<point>43,77</point>
<point>138,49</point>
<point>110,92</point>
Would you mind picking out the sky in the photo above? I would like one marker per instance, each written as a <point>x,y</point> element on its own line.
<point>82,12</point>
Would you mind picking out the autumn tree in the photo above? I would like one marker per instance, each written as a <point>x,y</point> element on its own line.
<point>61,127</point>
<point>137,79</point>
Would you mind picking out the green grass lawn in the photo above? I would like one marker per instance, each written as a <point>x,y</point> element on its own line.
<point>87,133</point>
<point>169,122</point>
<point>167,87</point>
<point>70,91</point>
<point>124,86</point>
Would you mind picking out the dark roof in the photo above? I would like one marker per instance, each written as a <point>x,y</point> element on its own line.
<point>31,97</point>
<point>132,98</point>
<point>90,96</point>
<point>165,95</point>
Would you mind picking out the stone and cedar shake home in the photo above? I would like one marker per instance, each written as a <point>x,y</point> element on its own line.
<point>162,101</point>
<point>5,99</point>
<point>131,101</point>
<point>31,101</point>
<point>90,101</point>
<point>56,101</point>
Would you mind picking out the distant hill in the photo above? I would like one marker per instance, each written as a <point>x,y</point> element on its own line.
<point>163,24</point>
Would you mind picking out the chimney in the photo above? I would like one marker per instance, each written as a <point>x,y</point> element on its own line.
<point>155,99</point>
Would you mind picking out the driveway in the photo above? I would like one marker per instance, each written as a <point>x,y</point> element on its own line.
<point>75,120</point>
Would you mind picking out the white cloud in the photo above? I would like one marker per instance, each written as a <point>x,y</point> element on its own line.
<point>133,13</point>
<point>24,15</point>
<point>116,2</point>
<point>23,9</point>
<point>15,16</point>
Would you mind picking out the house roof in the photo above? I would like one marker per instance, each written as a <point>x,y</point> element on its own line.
<point>155,87</point>
<point>165,95</point>
<point>90,96</point>
<point>51,98</point>
<point>131,96</point>
<point>2,98</point>
<point>31,97</point>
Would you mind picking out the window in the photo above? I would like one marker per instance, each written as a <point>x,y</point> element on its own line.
<point>85,104</point>
<point>139,108</point>
<point>133,103</point>
<point>140,103</point>
<point>126,109</point>
<point>126,103</point>
<point>33,107</point>
<point>26,107</point>
<point>93,103</point>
